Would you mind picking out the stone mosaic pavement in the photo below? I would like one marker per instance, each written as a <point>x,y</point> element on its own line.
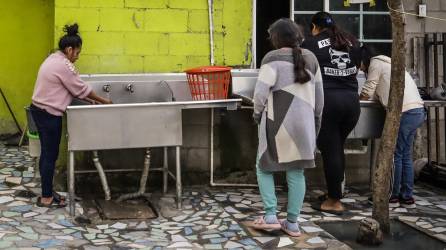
<point>210,218</point>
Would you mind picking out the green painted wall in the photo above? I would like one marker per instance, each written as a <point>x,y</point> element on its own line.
<point>27,31</point>
<point>134,36</point>
<point>120,36</point>
<point>138,36</point>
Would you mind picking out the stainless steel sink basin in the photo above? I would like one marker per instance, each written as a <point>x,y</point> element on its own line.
<point>146,112</point>
<point>370,123</point>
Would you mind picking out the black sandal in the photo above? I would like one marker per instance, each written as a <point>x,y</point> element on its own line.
<point>53,204</point>
<point>59,198</point>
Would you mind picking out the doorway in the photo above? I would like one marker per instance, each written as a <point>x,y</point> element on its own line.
<point>268,12</point>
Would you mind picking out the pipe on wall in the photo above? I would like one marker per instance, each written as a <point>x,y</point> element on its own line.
<point>211,29</point>
<point>254,35</point>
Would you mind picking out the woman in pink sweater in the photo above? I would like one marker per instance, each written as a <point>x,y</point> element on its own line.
<point>58,82</point>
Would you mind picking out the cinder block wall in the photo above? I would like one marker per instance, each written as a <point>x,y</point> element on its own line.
<point>135,36</point>
<point>144,36</point>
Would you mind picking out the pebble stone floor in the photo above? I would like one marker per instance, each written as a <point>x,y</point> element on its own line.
<point>210,218</point>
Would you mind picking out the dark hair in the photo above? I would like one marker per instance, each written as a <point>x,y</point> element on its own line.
<point>339,39</point>
<point>286,33</point>
<point>367,52</point>
<point>71,38</point>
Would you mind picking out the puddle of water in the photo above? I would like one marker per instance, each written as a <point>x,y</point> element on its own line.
<point>402,237</point>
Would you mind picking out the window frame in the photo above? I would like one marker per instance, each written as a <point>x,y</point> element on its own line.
<point>359,12</point>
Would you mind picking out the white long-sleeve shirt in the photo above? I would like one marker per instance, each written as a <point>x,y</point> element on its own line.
<point>377,85</point>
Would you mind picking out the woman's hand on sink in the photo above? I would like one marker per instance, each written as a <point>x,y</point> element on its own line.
<point>98,99</point>
<point>364,97</point>
<point>107,101</point>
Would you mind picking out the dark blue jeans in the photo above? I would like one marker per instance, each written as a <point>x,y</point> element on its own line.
<point>403,166</point>
<point>50,130</point>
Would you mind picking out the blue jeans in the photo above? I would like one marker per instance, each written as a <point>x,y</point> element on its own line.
<point>50,130</point>
<point>403,165</point>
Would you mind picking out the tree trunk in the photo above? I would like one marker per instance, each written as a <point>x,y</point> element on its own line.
<point>381,178</point>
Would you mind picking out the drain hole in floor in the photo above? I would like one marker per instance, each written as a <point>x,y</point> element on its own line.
<point>133,209</point>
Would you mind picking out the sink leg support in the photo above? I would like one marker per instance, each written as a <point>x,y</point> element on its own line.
<point>178,177</point>
<point>142,183</point>
<point>71,183</point>
<point>102,176</point>
<point>165,171</point>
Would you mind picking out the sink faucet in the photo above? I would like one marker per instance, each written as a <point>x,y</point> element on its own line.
<point>106,88</point>
<point>129,88</point>
<point>172,98</point>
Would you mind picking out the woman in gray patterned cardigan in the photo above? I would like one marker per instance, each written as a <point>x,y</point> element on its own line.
<point>288,103</point>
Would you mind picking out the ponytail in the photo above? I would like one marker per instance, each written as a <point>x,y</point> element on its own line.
<point>300,74</point>
<point>286,33</point>
<point>339,39</point>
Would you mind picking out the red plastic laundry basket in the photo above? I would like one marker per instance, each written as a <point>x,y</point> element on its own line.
<point>209,82</point>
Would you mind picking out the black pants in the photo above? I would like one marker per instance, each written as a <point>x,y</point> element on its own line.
<point>340,115</point>
<point>50,129</point>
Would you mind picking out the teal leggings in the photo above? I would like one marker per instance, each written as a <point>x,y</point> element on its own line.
<point>296,192</point>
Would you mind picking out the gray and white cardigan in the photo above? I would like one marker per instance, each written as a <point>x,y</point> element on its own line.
<point>290,112</point>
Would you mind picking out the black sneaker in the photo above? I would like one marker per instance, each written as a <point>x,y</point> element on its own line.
<point>408,203</point>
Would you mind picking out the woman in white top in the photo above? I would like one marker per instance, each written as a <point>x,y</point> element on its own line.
<point>377,68</point>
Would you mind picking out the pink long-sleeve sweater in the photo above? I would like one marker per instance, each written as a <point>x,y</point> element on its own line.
<point>58,82</point>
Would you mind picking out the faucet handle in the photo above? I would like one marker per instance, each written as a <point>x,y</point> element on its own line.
<point>129,87</point>
<point>106,88</point>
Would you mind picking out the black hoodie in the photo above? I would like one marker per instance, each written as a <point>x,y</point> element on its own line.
<point>338,68</point>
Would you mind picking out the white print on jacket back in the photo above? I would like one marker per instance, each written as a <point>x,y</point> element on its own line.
<point>339,59</point>
<point>324,43</point>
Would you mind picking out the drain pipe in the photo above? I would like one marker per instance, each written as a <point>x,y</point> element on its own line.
<point>142,183</point>
<point>211,29</point>
<point>102,176</point>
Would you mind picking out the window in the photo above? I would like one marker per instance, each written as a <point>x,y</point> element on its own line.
<point>371,25</point>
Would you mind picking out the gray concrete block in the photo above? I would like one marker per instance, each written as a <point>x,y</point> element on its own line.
<point>196,136</point>
<point>410,5</point>
<point>433,5</point>
<point>413,24</point>
<point>443,5</point>
<point>436,25</point>
<point>197,159</point>
<point>196,116</point>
